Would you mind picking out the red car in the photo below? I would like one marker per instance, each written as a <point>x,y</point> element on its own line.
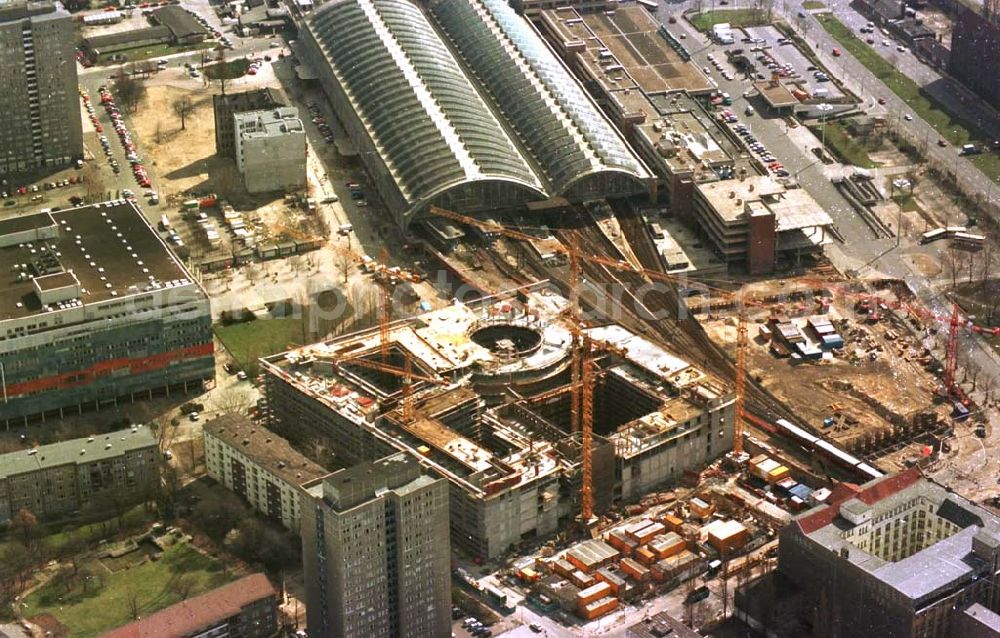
<point>836,52</point>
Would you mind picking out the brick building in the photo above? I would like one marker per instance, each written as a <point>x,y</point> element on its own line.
<point>246,608</point>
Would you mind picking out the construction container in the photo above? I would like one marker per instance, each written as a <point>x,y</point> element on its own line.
<point>770,471</point>
<point>785,485</point>
<point>581,579</point>
<point>620,541</point>
<point>634,569</point>
<point>819,496</point>
<point>674,566</point>
<point>528,575</point>
<point>833,341</point>
<point>666,545</point>
<point>645,556</point>
<point>613,580</point>
<point>778,473</point>
<point>700,508</point>
<point>591,555</point>
<point>599,608</point>
<point>592,593</point>
<point>633,528</point>
<point>649,532</point>
<point>727,536</point>
<point>672,523</point>
<point>563,567</point>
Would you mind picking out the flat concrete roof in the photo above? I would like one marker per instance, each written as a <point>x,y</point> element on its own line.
<point>776,94</point>
<point>631,37</point>
<point>729,198</point>
<point>110,248</point>
<point>796,209</point>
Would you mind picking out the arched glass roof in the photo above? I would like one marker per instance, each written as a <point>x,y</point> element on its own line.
<point>554,118</point>
<point>431,126</point>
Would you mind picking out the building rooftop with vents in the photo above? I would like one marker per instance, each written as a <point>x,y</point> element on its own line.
<point>80,256</point>
<point>268,451</point>
<point>84,450</point>
<point>94,308</point>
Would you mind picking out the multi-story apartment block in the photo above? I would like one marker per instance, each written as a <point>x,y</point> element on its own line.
<point>56,480</point>
<point>270,149</point>
<point>95,309</point>
<point>246,608</point>
<point>376,553</point>
<point>899,557</point>
<point>42,123</point>
<point>260,466</point>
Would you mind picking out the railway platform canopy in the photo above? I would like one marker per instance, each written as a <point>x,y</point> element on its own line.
<point>463,106</point>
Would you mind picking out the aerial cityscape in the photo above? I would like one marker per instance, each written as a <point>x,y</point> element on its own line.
<point>500,318</point>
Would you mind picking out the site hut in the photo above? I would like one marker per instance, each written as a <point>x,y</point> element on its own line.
<point>491,413</point>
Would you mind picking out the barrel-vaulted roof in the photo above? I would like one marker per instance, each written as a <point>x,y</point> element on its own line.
<point>431,126</point>
<point>554,118</point>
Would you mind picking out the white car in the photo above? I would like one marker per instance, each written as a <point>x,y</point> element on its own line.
<point>908,117</point>
<point>901,48</point>
<point>194,416</point>
<point>706,70</point>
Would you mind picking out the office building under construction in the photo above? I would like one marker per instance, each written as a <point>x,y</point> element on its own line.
<point>483,395</point>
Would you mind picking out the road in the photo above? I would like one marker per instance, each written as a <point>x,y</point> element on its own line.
<point>946,90</point>
<point>860,252</point>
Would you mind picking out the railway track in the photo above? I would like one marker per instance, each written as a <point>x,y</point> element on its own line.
<point>660,313</point>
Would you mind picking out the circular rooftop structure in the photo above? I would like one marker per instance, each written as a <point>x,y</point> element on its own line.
<point>506,340</point>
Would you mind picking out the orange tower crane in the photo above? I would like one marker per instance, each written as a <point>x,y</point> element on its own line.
<point>582,375</point>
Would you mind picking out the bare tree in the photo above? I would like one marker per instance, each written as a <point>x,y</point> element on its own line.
<point>182,106</point>
<point>345,264</point>
<point>130,90</point>
<point>233,401</point>
<point>182,585</point>
<point>951,266</point>
<point>132,603</point>
<point>93,180</point>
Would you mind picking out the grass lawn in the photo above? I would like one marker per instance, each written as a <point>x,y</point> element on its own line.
<point>843,146</point>
<point>252,339</point>
<point>58,534</point>
<point>735,18</point>
<point>92,613</point>
<point>227,70</point>
<point>811,5</point>
<point>248,341</point>
<point>951,128</point>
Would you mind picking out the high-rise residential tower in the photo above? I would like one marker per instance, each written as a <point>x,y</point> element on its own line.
<point>376,552</point>
<point>42,121</point>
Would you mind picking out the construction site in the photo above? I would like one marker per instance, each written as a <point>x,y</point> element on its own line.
<point>534,421</point>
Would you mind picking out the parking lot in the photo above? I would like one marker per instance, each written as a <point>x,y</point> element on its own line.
<point>789,62</point>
